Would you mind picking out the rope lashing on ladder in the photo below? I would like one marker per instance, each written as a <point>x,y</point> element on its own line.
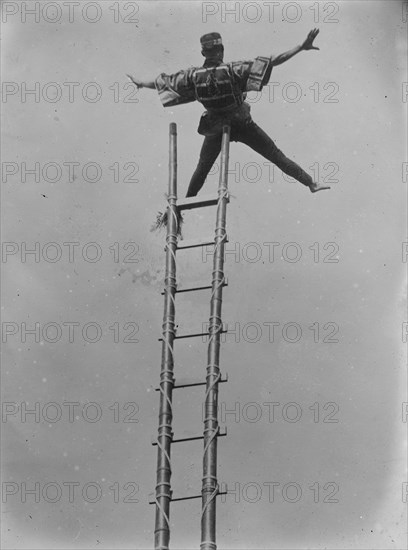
<point>214,382</point>
<point>166,483</point>
<point>170,436</point>
<point>171,330</point>
<point>212,497</point>
<point>222,194</point>
<point>165,396</point>
<point>214,432</point>
<point>173,210</point>
<point>209,477</point>
<point>160,507</point>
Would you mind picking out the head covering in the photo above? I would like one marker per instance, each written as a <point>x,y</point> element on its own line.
<point>210,41</point>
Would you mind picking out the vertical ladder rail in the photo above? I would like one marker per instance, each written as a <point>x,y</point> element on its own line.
<point>211,427</point>
<point>165,435</point>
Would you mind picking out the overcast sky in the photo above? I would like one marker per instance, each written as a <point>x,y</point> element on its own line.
<point>316,288</point>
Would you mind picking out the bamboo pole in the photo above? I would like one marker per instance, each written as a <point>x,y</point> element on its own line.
<point>211,427</point>
<point>165,434</point>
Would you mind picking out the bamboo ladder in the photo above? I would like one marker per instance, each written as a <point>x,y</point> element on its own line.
<point>210,489</point>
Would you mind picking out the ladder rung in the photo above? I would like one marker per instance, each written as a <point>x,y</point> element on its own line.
<point>195,243</point>
<point>193,288</point>
<point>189,497</point>
<point>195,335</point>
<point>222,331</point>
<point>186,498</point>
<point>197,202</point>
<point>197,383</point>
<point>221,433</point>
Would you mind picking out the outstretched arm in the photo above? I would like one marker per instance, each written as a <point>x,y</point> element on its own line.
<point>307,45</point>
<point>139,83</point>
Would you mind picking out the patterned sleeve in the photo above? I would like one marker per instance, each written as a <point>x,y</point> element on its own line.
<point>254,74</point>
<point>175,89</point>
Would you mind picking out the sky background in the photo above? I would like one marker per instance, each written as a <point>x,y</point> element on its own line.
<point>351,127</point>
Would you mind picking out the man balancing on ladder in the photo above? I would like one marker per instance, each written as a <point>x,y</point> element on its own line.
<point>221,88</point>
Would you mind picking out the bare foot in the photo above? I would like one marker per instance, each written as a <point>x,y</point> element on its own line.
<point>315,187</point>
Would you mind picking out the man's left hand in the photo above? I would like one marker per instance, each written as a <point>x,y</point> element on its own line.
<point>308,43</point>
<point>135,81</point>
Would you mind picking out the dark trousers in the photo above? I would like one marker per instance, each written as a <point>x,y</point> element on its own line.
<point>253,136</point>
